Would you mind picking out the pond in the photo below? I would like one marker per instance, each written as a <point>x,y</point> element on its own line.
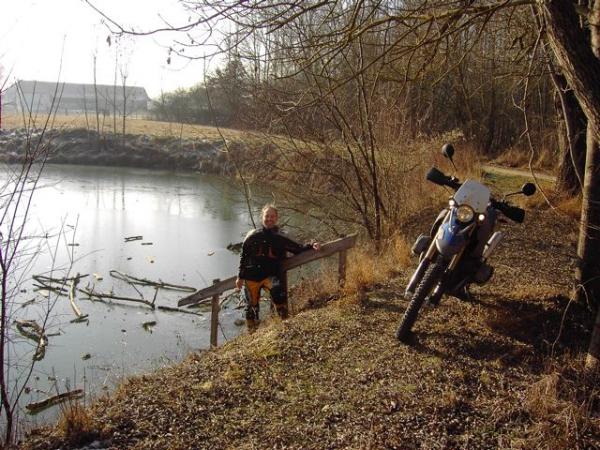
<point>79,219</point>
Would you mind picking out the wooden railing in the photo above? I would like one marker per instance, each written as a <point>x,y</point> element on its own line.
<point>340,246</point>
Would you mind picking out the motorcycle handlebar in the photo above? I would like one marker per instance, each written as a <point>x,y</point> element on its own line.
<point>438,177</point>
<point>512,212</point>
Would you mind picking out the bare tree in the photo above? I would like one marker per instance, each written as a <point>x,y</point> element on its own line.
<point>16,256</point>
<point>580,65</point>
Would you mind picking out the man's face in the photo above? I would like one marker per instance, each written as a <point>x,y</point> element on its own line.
<point>269,218</point>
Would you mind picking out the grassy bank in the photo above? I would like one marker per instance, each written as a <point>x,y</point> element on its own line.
<point>501,371</point>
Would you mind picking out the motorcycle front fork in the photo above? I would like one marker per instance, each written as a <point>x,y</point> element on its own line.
<point>431,252</point>
<point>421,268</point>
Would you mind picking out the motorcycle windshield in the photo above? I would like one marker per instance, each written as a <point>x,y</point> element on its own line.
<point>473,194</point>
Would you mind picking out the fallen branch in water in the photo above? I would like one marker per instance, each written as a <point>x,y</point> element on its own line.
<point>43,279</point>
<point>80,317</point>
<point>56,285</point>
<point>147,326</point>
<point>171,309</point>
<point>36,407</point>
<point>104,296</point>
<point>27,303</point>
<point>32,330</point>
<point>145,282</point>
<point>49,288</point>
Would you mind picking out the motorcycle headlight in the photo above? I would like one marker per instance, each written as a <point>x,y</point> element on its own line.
<point>464,213</point>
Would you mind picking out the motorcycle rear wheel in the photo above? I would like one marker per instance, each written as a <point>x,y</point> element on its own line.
<point>432,277</point>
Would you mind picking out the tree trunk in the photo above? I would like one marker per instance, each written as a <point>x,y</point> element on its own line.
<point>581,67</point>
<point>588,249</point>
<point>572,160</point>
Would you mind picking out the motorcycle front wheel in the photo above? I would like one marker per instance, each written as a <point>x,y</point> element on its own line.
<point>430,279</point>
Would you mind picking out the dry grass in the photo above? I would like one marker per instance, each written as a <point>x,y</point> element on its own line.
<point>571,207</point>
<point>568,206</point>
<point>518,157</point>
<point>560,405</point>
<point>133,126</point>
<point>365,268</point>
<point>513,157</point>
<point>76,425</point>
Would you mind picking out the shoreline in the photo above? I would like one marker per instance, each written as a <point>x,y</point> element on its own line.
<point>86,147</point>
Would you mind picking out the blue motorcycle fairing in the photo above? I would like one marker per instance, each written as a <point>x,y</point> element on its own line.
<point>451,237</point>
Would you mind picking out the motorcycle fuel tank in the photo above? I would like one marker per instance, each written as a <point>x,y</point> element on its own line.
<point>449,240</point>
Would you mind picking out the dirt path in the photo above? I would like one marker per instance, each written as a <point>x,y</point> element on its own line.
<point>510,171</point>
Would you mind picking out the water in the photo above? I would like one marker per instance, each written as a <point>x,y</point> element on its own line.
<point>189,219</point>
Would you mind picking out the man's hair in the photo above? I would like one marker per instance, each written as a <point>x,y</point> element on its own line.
<point>267,207</point>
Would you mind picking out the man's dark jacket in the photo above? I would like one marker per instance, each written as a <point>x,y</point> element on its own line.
<point>263,251</point>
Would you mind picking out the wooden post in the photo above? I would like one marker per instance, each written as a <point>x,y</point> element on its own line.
<point>342,267</point>
<point>214,318</point>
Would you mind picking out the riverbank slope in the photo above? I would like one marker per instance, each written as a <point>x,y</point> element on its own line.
<point>500,371</point>
<point>82,146</point>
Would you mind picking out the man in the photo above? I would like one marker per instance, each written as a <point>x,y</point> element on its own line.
<point>263,251</point>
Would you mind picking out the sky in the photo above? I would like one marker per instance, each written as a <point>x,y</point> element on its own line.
<point>50,40</point>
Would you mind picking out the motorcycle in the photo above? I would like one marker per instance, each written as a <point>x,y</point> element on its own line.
<point>455,253</point>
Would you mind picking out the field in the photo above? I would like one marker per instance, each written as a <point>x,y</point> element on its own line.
<point>132,125</point>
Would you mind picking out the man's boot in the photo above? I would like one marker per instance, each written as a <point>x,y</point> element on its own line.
<point>252,325</point>
<point>282,310</point>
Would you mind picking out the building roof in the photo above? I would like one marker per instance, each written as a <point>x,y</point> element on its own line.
<point>78,89</point>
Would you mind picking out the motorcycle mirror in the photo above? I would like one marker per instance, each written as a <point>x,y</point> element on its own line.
<point>448,151</point>
<point>528,189</point>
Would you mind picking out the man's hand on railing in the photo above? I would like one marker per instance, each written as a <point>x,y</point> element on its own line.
<point>239,283</point>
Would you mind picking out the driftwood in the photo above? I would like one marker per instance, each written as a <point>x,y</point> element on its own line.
<point>32,330</point>
<point>171,309</point>
<point>105,296</point>
<point>47,288</point>
<point>134,238</point>
<point>147,326</point>
<point>56,285</point>
<point>27,303</point>
<point>80,317</point>
<point>145,282</point>
<point>36,407</point>
<point>46,279</point>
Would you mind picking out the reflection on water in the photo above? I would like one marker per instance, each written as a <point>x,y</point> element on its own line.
<point>186,221</point>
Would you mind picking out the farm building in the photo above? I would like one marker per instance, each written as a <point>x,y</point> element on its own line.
<point>74,98</point>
